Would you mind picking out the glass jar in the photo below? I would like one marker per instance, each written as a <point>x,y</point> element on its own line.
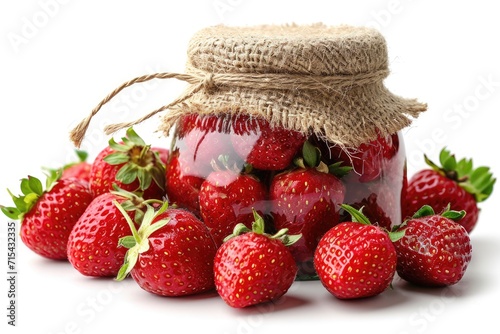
<point>224,166</point>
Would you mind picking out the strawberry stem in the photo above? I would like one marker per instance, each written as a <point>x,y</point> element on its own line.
<point>258,227</point>
<point>356,215</point>
<point>139,241</point>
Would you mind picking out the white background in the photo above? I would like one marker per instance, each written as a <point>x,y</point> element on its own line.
<point>60,58</point>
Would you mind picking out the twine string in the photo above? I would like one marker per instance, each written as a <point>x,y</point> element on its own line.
<point>208,82</point>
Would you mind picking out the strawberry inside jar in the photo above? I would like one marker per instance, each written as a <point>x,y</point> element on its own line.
<point>224,166</point>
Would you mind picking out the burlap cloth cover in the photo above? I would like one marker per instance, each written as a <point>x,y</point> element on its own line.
<point>315,78</point>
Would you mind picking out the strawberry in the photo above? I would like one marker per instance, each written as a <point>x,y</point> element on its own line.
<point>305,201</point>
<point>252,267</point>
<point>47,216</point>
<point>368,160</point>
<point>93,242</point>
<point>380,201</point>
<point>80,169</point>
<point>435,250</point>
<point>227,198</point>
<point>456,183</point>
<point>131,165</point>
<point>183,184</point>
<point>171,254</point>
<point>356,259</point>
<point>263,146</point>
<point>202,139</point>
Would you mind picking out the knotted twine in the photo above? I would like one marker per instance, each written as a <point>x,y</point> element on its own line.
<point>312,79</point>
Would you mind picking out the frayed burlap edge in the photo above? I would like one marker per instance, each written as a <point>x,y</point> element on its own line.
<point>348,118</point>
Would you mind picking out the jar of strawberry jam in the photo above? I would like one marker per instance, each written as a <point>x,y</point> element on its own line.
<point>287,123</point>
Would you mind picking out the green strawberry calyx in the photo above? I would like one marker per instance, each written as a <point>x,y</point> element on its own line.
<point>357,216</point>
<point>133,201</point>
<point>258,227</point>
<point>427,210</point>
<point>32,190</point>
<point>476,181</point>
<point>311,158</point>
<point>138,242</point>
<point>139,161</point>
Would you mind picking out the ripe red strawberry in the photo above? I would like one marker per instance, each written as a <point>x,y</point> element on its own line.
<point>456,183</point>
<point>227,199</point>
<point>263,146</point>
<point>47,216</point>
<point>356,259</point>
<point>306,201</point>
<point>80,169</point>
<point>171,254</point>
<point>201,139</point>
<point>368,160</point>
<point>252,267</point>
<point>183,184</point>
<point>93,242</point>
<point>131,165</point>
<point>435,250</point>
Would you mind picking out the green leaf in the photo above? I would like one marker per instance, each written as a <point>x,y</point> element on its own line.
<point>123,272</point>
<point>280,233</point>
<point>82,155</point>
<point>356,215</point>
<point>156,226</point>
<point>444,155</point>
<point>311,154</point>
<point>396,235</point>
<point>19,202</point>
<point>453,215</point>
<point>138,216</point>
<point>238,229</point>
<point>117,158</point>
<point>135,138</point>
<point>447,160</point>
<point>450,163</point>
<point>289,240</point>
<point>127,173</point>
<point>12,213</point>
<point>258,226</point>
<point>144,178</point>
<point>130,260</point>
<point>25,186</point>
<point>338,170</point>
<point>425,210</point>
<point>127,242</point>
<point>35,185</point>
<point>464,167</point>
<point>117,146</point>
<point>487,191</point>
